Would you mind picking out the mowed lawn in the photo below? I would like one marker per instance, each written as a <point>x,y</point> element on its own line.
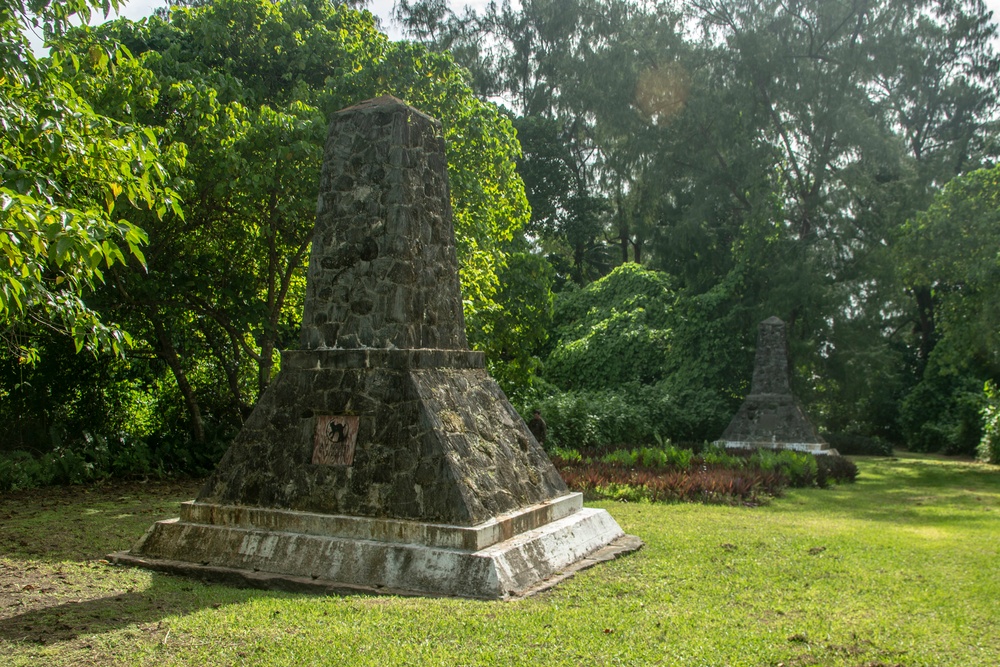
<point>901,568</point>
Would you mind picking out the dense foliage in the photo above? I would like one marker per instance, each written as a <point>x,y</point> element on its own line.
<point>617,368</point>
<point>68,176</point>
<point>691,169</point>
<point>989,447</point>
<point>766,158</point>
<point>245,90</point>
<point>951,251</point>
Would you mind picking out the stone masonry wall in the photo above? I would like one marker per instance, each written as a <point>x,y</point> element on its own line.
<point>770,371</point>
<point>434,443</point>
<point>385,412</point>
<point>383,271</point>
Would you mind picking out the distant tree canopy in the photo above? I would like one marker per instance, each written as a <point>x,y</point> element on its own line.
<point>953,248</point>
<point>689,169</point>
<point>764,155</point>
<point>951,252</point>
<point>244,90</point>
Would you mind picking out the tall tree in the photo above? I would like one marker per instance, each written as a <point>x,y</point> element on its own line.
<point>68,176</point>
<point>569,70</point>
<point>766,161</point>
<point>953,248</point>
<point>867,107</point>
<point>248,86</point>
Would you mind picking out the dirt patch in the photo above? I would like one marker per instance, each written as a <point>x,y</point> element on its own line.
<point>55,585</point>
<point>85,522</point>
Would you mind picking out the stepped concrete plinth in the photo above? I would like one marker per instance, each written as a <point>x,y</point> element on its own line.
<point>383,457</point>
<point>770,416</point>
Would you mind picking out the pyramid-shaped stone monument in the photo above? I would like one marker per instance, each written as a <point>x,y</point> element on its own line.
<point>771,417</point>
<point>383,457</point>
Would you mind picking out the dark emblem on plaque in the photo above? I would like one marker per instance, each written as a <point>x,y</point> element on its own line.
<point>334,441</point>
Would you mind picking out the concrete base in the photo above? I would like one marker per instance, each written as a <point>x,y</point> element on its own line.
<point>511,555</point>
<point>816,448</point>
<point>773,420</point>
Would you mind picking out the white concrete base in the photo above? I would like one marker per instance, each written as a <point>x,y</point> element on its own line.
<point>817,448</point>
<point>380,555</point>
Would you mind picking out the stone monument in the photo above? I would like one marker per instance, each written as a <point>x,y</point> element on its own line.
<point>383,457</point>
<point>770,416</point>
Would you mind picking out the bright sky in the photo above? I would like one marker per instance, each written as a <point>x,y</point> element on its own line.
<point>136,9</point>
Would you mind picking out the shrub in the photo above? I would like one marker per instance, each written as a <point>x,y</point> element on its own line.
<point>67,466</point>
<point>94,457</point>
<point>943,412</point>
<point>988,450</point>
<point>634,415</point>
<point>717,455</point>
<point>621,457</point>
<point>696,484</point>
<point>856,444</point>
<point>565,455</point>
<point>19,470</point>
<point>832,468</point>
<point>571,421</point>
<point>612,332</point>
<point>650,457</point>
<point>670,473</point>
<point>799,467</point>
<point>670,456</point>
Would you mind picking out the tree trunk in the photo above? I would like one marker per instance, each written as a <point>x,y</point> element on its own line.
<point>925,321</point>
<point>264,366</point>
<point>167,352</point>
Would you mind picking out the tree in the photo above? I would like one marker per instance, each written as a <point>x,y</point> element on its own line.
<point>954,248</point>
<point>866,108</point>
<point>615,373</point>
<point>513,331</point>
<point>765,163</point>
<point>615,331</point>
<point>248,86</point>
<point>67,176</point>
<point>569,69</point>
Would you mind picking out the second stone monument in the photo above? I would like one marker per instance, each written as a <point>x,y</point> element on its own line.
<point>383,456</point>
<point>771,417</point>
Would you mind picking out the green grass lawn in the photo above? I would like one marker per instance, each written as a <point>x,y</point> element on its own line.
<point>901,568</point>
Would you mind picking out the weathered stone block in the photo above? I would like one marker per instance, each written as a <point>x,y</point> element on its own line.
<point>361,222</point>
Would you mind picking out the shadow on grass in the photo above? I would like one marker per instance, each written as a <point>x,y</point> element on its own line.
<point>52,545</point>
<point>913,491</point>
<point>167,596</point>
<point>81,523</point>
<point>52,540</point>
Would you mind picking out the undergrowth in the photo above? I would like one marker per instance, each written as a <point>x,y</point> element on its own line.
<point>715,475</point>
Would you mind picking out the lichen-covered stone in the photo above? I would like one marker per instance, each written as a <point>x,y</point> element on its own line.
<point>437,441</point>
<point>433,438</point>
<point>383,271</point>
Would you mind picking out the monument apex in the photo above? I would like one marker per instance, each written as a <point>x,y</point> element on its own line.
<point>383,271</point>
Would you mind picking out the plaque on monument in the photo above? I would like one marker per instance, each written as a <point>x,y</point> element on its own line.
<point>334,442</point>
<point>383,457</point>
<point>771,417</point>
